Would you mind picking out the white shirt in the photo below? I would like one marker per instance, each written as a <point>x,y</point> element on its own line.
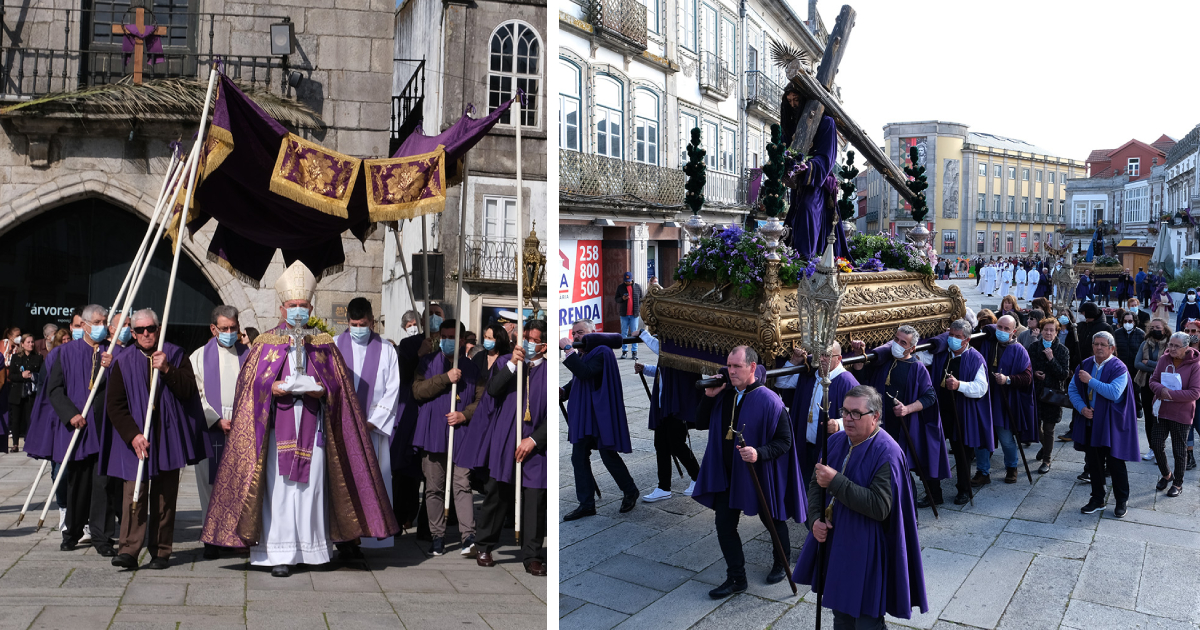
<point>385,396</point>
<point>814,408</point>
<point>227,363</point>
<point>976,387</point>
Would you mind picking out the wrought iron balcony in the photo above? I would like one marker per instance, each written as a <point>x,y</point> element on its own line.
<point>589,177</point>
<point>763,96</point>
<point>491,259</point>
<point>621,21</point>
<point>1011,216</point>
<point>982,215</point>
<point>1037,218</point>
<point>715,78</point>
<point>407,106</point>
<point>1025,216</point>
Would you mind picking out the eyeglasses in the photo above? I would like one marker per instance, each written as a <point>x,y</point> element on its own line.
<point>141,330</point>
<point>854,414</point>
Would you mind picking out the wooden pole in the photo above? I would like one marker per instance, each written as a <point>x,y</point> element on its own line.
<point>412,297</point>
<point>520,329</point>
<point>835,48</point>
<point>462,239</point>
<point>425,280</point>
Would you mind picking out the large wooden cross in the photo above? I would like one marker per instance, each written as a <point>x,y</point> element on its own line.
<point>821,102</point>
<point>139,44</point>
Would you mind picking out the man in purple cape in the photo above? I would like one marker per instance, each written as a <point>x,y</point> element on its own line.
<point>72,370</point>
<point>175,426</point>
<point>672,406</point>
<point>595,416</point>
<point>432,389</point>
<point>1013,410</point>
<point>504,452</point>
<point>813,211</point>
<point>869,559</point>
<point>910,398</point>
<point>216,365</point>
<point>1104,424</point>
<point>725,483</point>
<point>808,406</point>
<point>964,402</point>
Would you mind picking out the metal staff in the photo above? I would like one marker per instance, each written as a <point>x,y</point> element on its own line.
<point>624,340</point>
<point>912,449</point>
<point>162,329</point>
<point>517,485</point>
<point>766,507</point>
<point>462,239</point>
<point>823,446</point>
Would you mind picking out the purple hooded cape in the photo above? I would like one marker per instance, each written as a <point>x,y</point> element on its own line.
<point>811,214</point>
<point>975,414</point>
<point>1043,285</point>
<point>925,427</point>
<point>780,477</point>
<point>802,400</point>
<point>1113,424</point>
<point>432,432</point>
<point>677,391</point>
<point>1084,288</point>
<point>48,435</point>
<point>176,441</point>
<point>502,441</point>
<point>214,436</point>
<point>1021,403</point>
<point>598,408</point>
<point>873,567</point>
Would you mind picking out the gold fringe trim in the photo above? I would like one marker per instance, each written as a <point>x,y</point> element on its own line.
<point>687,364</point>
<point>335,206</point>
<point>275,339</point>
<point>410,209</point>
<point>221,141</point>
<point>225,264</point>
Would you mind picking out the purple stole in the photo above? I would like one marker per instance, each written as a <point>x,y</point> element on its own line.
<point>215,444</point>
<point>872,567</point>
<point>974,414</point>
<point>596,407</point>
<point>370,371</point>
<point>1113,423</point>
<point>802,400</point>
<point>533,471</point>
<point>294,450</point>
<point>1014,359</point>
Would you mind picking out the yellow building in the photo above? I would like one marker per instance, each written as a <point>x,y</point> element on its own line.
<point>988,195</point>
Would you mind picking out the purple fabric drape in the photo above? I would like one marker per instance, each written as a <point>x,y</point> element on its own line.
<point>214,443</point>
<point>1014,359</point>
<point>148,36</point>
<point>925,427</point>
<point>674,394</point>
<point>597,407</point>
<point>432,432</point>
<point>1113,423</point>
<point>754,185</point>
<point>812,213</point>
<point>294,446</point>
<point>48,435</point>
<point>974,414</point>
<point>457,139</point>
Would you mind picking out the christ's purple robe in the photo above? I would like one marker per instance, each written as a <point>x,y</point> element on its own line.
<point>674,394</point>
<point>873,567</point>
<point>432,432</point>
<point>596,407</point>
<point>973,414</point>
<point>1114,423</point>
<point>48,435</point>
<point>813,212</point>
<point>925,427</point>
<point>1019,415</point>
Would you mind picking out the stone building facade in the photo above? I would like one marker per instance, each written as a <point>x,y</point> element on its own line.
<point>340,69</point>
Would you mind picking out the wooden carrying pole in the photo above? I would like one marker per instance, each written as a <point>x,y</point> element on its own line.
<point>162,329</point>
<point>139,276</point>
<point>458,326</point>
<point>520,330</point>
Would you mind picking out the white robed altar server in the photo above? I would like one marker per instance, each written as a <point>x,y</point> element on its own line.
<point>1022,278</point>
<point>1006,275</point>
<point>1031,282</point>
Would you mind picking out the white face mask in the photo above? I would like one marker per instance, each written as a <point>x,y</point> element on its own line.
<point>412,330</point>
<point>1128,327</point>
<point>897,350</point>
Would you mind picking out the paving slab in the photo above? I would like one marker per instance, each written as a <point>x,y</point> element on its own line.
<point>1042,598</point>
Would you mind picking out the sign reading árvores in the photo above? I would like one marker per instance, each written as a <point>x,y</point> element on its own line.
<point>58,314</point>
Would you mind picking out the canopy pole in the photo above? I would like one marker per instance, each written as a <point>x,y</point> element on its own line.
<point>462,242</point>
<point>412,297</point>
<point>520,330</point>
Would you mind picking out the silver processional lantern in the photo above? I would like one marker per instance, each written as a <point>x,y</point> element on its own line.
<point>821,296</point>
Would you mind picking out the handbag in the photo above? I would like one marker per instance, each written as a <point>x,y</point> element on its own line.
<point>1054,397</point>
<point>1172,380</point>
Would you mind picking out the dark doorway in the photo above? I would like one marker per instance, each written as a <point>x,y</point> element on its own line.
<point>79,254</point>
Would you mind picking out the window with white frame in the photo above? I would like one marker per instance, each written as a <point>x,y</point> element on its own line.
<point>645,138</point>
<point>515,63</point>
<point>569,105</point>
<point>687,122</point>
<point>1135,165</point>
<point>1081,214</point>
<point>708,28</point>
<point>1012,172</point>
<point>1012,206</point>
<point>711,145</point>
<point>729,43</point>
<point>752,47</point>
<point>728,150</point>
<point>1024,174</point>
<point>754,148</point>
<point>981,209</point>
<point>995,208</point>
<point>609,116</point>
<point>1037,207</point>
<point>688,25</point>
<point>1024,206</point>
<point>651,15</point>
<point>996,170</point>
<point>983,169</point>
<point>1050,175</point>
<point>499,217</point>
<point>1038,176</point>
<point>1137,204</point>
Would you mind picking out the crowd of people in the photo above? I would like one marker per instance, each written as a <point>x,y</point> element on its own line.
<point>273,422</point>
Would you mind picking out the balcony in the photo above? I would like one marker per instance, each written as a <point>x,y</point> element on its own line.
<point>1011,216</point>
<point>1037,218</point>
<point>723,189</point>
<point>763,96</point>
<point>622,22</point>
<point>408,105</point>
<point>586,177</point>
<point>982,215</point>
<point>1024,217</point>
<point>492,260</point>
<point>716,80</point>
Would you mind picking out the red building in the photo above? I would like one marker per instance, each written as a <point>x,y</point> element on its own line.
<point>1134,158</point>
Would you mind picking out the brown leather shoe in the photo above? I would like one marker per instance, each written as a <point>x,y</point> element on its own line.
<point>536,568</point>
<point>980,480</point>
<point>1010,476</point>
<point>484,559</point>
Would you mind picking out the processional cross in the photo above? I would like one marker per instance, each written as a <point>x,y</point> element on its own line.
<point>139,35</point>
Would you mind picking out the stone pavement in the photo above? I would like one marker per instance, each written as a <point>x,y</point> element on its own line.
<point>1021,557</point>
<point>42,587</point>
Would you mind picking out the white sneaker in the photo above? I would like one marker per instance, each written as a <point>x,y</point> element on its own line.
<point>1148,457</point>
<point>87,534</point>
<point>658,495</point>
<point>690,490</point>
<point>62,519</point>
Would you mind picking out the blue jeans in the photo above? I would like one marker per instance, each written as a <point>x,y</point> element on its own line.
<point>1012,458</point>
<point>629,327</point>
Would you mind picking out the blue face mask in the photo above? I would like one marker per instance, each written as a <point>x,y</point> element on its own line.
<point>955,343</point>
<point>99,333</point>
<point>227,339</point>
<point>1002,336</point>
<point>489,344</point>
<point>360,333</point>
<point>448,346</point>
<point>297,315</point>
<point>1062,319</point>
<point>530,349</point>
<point>76,333</point>
<point>435,322</point>
<point>125,335</point>
<point>1047,344</point>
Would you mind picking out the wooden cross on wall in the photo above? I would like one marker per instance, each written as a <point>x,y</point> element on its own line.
<point>139,44</point>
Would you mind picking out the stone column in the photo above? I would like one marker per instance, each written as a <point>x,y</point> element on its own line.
<point>637,255</point>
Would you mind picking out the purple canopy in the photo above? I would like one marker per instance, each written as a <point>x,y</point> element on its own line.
<point>457,139</point>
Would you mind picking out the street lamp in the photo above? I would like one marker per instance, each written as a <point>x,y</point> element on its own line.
<point>534,262</point>
<point>283,38</point>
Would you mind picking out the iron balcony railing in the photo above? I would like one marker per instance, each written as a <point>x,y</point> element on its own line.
<point>492,259</point>
<point>983,215</point>
<point>596,176</point>
<point>763,93</point>
<point>408,104</point>
<point>622,20</point>
<point>715,77</point>
<point>1025,216</point>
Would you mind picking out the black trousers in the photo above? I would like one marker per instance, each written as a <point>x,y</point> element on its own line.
<point>406,495</point>
<point>80,477</point>
<point>963,456</point>
<point>18,418</point>
<point>1146,399</point>
<point>533,525</point>
<point>670,439</point>
<point>1178,433</point>
<point>108,494</point>
<point>494,514</point>
<point>731,543</point>
<point>809,463</point>
<point>585,482</point>
<point>842,621</point>
<point>1095,460</point>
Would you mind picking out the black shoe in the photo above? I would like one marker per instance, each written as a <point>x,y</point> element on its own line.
<point>438,548</point>
<point>281,570</point>
<point>579,513</point>
<point>1010,475</point>
<point>1120,511</point>
<point>1174,491</point>
<point>468,545</point>
<point>962,499</point>
<point>1085,477</point>
<point>777,574</point>
<point>1065,437</point>
<point>158,563</point>
<point>924,502</point>
<point>634,358</point>
<point>728,588</point>
<point>125,561</point>
<point>1191,462</point>
<point>629,501</point>
<point>211,552</point>
<point>68,544</point>
<point>349,552</point>
<point>1092,507</point>
<point>624,353</point>
<point>1162,483</point>
<point>980,479</point>
<point>1044,468</point>
<point>106,550</point>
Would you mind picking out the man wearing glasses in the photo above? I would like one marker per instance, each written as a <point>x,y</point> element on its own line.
<point>743,404</point>
<point>868,522</point>
<point>1105,422</point>
<point>174,426</point>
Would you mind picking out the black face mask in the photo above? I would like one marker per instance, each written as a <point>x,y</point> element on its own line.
<point>1156,334</point>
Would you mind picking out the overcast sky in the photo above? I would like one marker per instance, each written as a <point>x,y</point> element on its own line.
<point>1067,76</point>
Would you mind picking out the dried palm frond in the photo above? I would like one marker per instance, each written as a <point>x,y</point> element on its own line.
<point>179,98</point>
<point>784,54</point>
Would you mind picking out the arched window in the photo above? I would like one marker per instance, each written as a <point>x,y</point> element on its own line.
<point>568,105</point>
<point>645,109</point>
<point>609,116</point>
<point>514,60</point>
